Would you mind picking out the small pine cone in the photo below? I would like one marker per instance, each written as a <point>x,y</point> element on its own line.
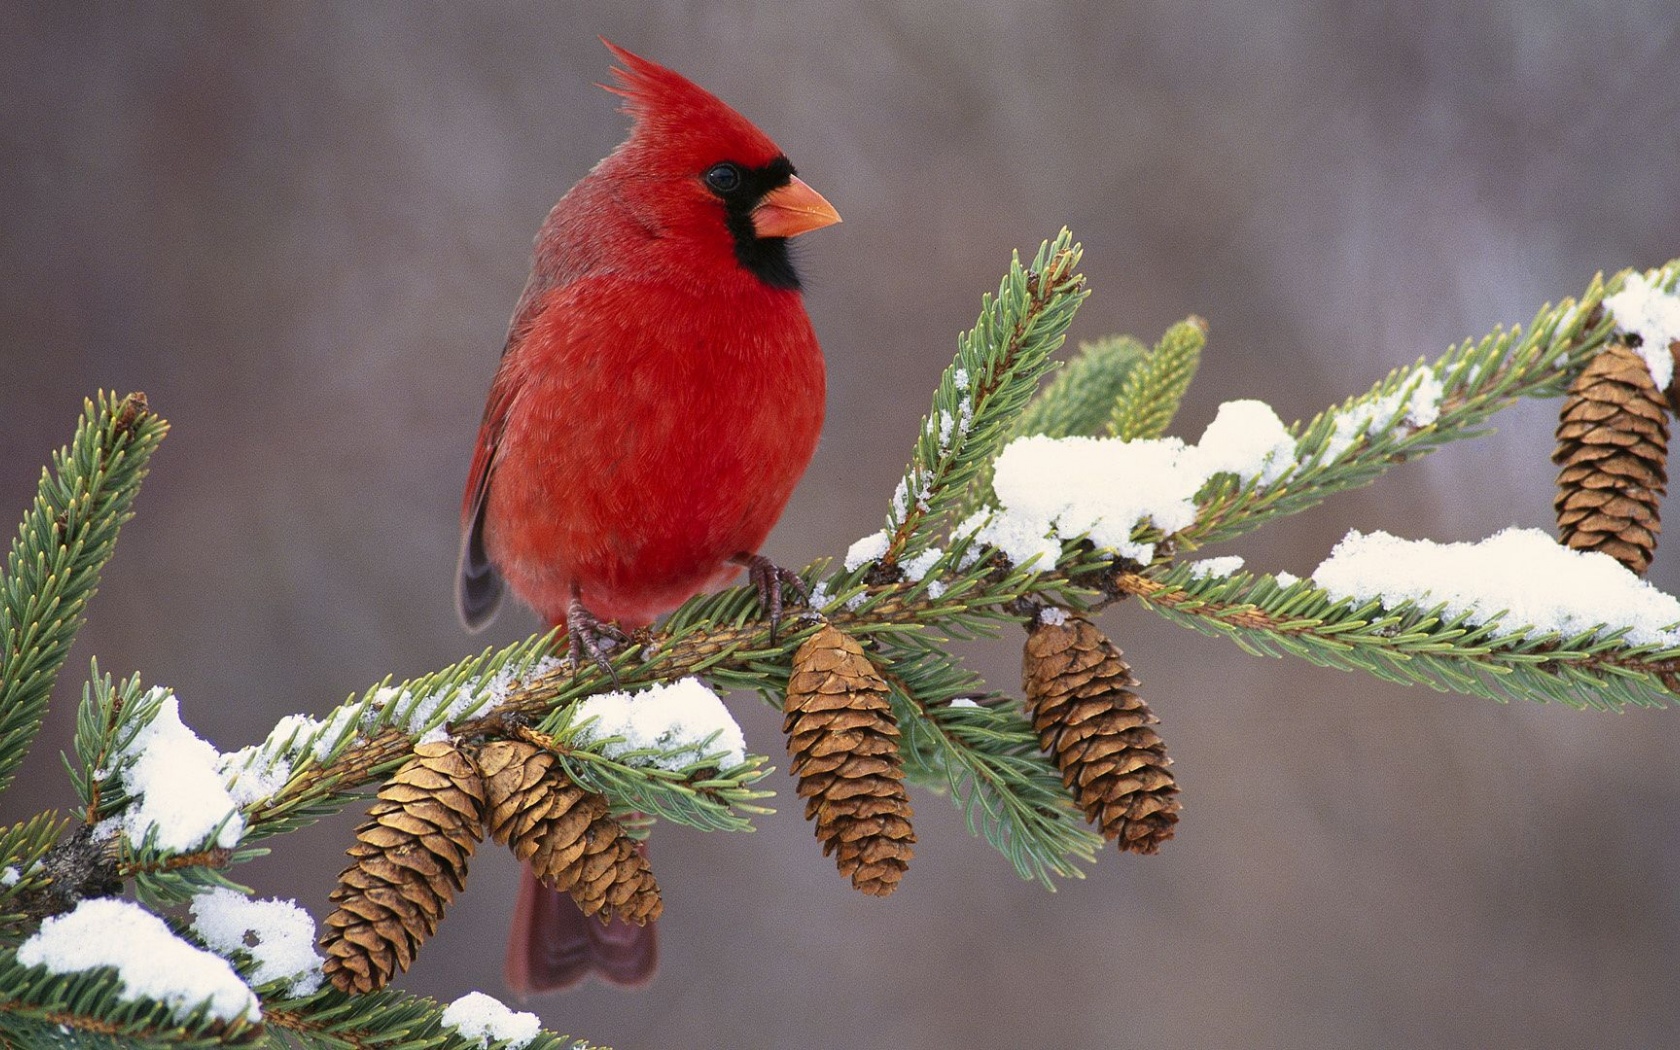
<point>1080,699</point>
<point>408,862</point>
<point>844,745</point>
<point>1612,452</point>
<point>565,833</point>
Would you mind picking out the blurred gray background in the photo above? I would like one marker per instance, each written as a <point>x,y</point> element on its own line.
<point>300,228</point>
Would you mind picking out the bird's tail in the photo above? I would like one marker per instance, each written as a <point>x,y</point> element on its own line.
<point>553,945</point>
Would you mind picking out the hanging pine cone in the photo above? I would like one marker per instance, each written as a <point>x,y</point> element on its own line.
<point>844,745</point>
<point>1613,451</point>
<point>565,833</point>
<point>1080,699</point>
<point>409,860</point>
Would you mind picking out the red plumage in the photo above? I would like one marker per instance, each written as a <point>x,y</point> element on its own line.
<point>659,395</point>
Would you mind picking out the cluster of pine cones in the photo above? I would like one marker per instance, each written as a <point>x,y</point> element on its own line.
<point>410,856</point>
<point>1612,454</point>
<point>844,745</point>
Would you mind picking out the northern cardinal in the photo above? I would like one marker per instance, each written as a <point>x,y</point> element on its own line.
<point>659,395</point>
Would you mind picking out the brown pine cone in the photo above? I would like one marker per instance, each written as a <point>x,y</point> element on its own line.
<point>1612,452</point>
<point>1080,699</point>
<point>408,862</point>
<point>844,745</point>
<point>565,833</point>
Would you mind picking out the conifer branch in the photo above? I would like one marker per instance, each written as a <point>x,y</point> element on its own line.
<point>997,369</point>
<point>388,1019</point>
<point>1084,394</point>
<point>89,1008</point>
<point>978,746</point>
<point>1412,644</point>
<point>697,793</point>
<point>53,567</point>
<point>931,579</point>
<point>1148,399</point>
<point>1352,445</point>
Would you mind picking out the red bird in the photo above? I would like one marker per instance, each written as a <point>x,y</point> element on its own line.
<point>659,395</point>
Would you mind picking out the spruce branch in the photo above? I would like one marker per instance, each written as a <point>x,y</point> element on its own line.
<point>27,882</point>
<point>1149,398</point>
<point>1082,395</point>
<point>1412,644</point>
<point>977,745</point>
<point>933,580</point>
<point>53,567</point>
<point>695,792</point>
<point>997,369</point>
<point>89,1008</point>
<point>1414,411</point>
<point>387,1019</point>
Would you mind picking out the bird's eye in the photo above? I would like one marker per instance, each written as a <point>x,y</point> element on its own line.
<point>724,178</point>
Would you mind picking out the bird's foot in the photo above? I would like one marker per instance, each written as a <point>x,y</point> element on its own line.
<point>768,579</point>
<point>587,633</point>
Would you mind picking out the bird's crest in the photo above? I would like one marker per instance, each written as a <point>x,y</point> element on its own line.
<point>671,109</point>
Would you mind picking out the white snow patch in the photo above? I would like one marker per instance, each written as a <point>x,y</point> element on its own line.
<point>1215,567</point>
<point>820,596</point>
<point>175,780</point>
<point>965,531</point>
<point>1286,579</point>
<point>964,701</point>
<point>278,935</point>
<point>917,568</point>
<point>1054,615</point>
<point>674,717</point>
<point>255,773</point>
<point>9,876</point>
<point>1652,314</point>
<point>1246,438</point>
<point>474,697</point>
<point>151,962</point>
<point>487,1019</point>
<point>1416,404</point>
<point>866,550</point>
<point>1524,572</point>
<point>347,720</point>
<point>1057,489</point>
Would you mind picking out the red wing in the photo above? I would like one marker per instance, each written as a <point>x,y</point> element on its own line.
<point>478,586</point>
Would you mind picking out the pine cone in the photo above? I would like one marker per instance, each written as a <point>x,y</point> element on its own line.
<point>1612,450</point>
<point>1079,695</point>
<point>844,744</point>
<point>565,833</point>
<point>409,859</point>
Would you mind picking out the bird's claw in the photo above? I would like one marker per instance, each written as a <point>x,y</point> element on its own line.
<point>587,633</point>
<point>768,579</point>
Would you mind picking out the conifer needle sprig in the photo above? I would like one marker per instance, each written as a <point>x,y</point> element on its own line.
<point>993,377</point>
<point>55,560</point>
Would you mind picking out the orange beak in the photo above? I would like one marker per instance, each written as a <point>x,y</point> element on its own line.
<point>792,210</point>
